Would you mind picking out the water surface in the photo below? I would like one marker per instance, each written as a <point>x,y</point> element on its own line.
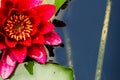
<point>84,19</point>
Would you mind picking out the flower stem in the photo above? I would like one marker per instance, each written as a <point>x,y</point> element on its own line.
<point>101,52</point>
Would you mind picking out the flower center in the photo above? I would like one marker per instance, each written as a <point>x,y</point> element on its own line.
<point>18,27</point>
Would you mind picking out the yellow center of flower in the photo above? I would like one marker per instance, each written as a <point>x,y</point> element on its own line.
<point>18,27</point>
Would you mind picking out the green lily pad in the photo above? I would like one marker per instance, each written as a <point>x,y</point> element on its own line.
<point>36,71</point>
<point>58,3</point>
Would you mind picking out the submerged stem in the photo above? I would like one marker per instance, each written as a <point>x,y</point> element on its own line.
<point>68,48</point>
<point>103,41</point>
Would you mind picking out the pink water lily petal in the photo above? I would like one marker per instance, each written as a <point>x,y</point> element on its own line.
<point>2,13</point>
<point>7,65</point>
<point>34,31</point>
<point>30,12</point>
<point>20,52</point>
<point>26,42</point>
<point>2,42</point>
<point>23,4</point>
<point>34,3</point>
<point>35,22</point>
<point>46,11</point>
<point>38,39</point>
<point>8,3</point>
<point>27,4</point>
<point>10,43</point>
<point>52,38</point>
<point>45,27</point>
<point>38,53</point>
<point>2,45</point>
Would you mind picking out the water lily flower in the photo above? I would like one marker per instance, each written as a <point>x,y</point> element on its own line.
<point>25,28</point>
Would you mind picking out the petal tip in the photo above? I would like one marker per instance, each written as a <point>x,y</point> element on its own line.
<point>7,66</point>
<point>52,38</point>
<point>38,53</point>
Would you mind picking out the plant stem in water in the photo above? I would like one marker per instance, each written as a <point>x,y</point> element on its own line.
<point>101,52</point>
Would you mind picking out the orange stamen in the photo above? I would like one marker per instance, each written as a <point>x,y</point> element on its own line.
<point>18,27</point>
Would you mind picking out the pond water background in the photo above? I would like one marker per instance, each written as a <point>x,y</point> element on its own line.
<point>84,19</point>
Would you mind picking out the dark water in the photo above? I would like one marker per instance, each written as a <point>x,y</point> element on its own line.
<point>84,19</point>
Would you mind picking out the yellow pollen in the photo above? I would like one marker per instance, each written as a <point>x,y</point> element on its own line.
<point>11,25</point>
<point>9,21</point>
<point>29,26</point>
<point>22,17</point>
<point>10,33</point>
<point>28,22</point>
<point>11,18</point>
<point>16,20</point>
<point>17,38</point>
<point>18,27</point>
<point>20,36</point>
<point>24,37</point>
<point>27,31</point>
<point>12,36</point>
<point>26,19</point>
<point>28,35</point>
<point>16,17</point>
<point>8,24</point>
<point>7,29</point>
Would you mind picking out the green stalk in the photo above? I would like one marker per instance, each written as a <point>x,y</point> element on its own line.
<point>101,52</point>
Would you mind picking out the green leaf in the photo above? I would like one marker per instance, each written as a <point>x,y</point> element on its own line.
<point>36,71</point>
<point>59,3</point>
